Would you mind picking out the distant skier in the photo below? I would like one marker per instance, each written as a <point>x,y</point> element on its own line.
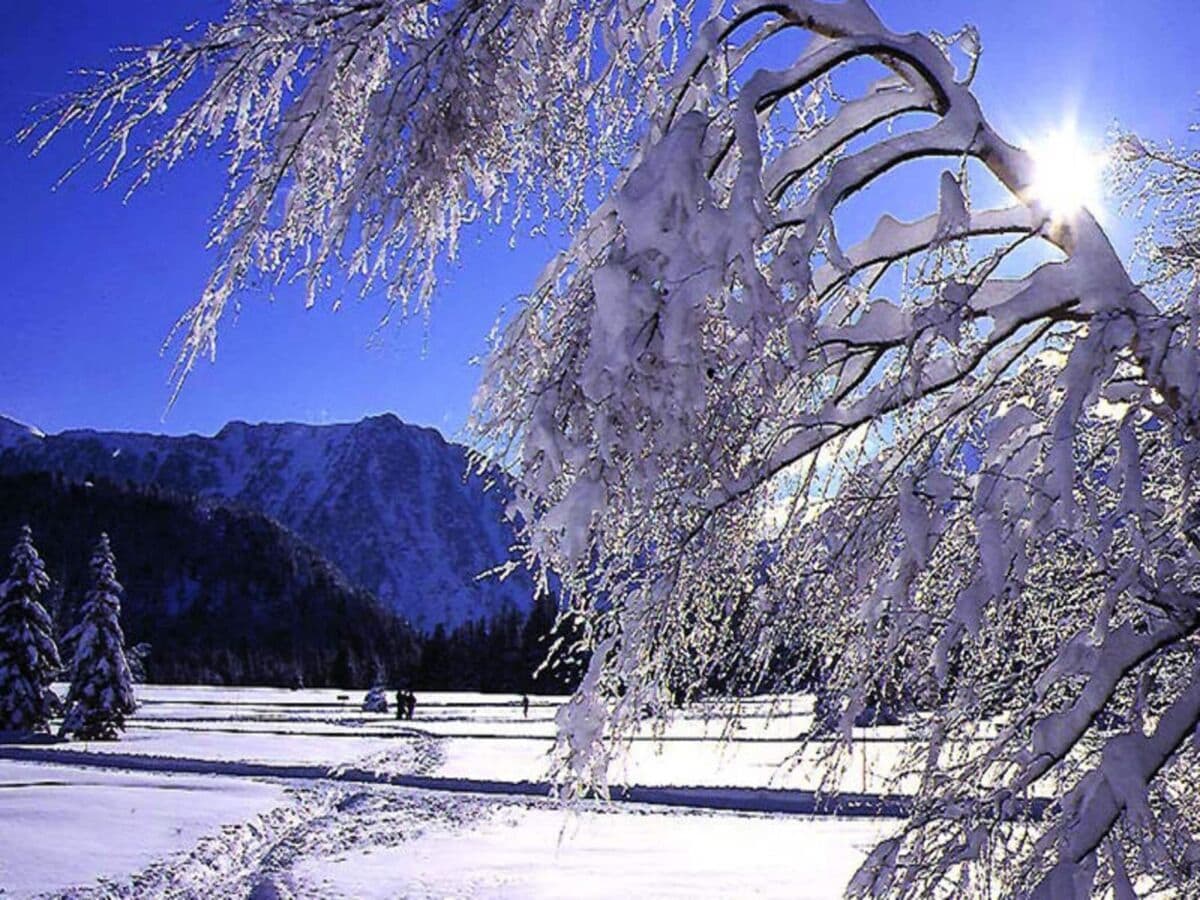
<point>525,705</point>
<point>412,704</point>
<point>400,704</point>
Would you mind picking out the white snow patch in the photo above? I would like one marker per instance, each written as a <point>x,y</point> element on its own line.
<point>531,852</point>
<point>61,826</point>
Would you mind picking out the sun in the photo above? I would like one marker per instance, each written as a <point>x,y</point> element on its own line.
<point>1067,175</point>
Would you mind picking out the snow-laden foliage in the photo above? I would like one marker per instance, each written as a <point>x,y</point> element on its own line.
<point>376,700</point>
<point>768,432</point>
<point>101,693</point>
<point>361,137</point>
<point>1160,182</point>
<point>946,469</point>
<point>29,659</point>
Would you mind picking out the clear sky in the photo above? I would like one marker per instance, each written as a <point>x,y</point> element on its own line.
<point>92,284</point>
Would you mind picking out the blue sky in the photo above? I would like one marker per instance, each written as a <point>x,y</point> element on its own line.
<point>92,284</point>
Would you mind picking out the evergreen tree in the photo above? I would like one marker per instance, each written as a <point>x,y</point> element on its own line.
<point>376,700</point>
<point>101,693</point>
<point>29,658</point>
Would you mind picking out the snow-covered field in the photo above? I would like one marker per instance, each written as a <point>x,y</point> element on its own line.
<point>234,792</point>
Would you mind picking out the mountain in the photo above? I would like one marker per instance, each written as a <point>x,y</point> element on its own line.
<point>221,596</point>
<point>14,433</point>
<point>388,503</point>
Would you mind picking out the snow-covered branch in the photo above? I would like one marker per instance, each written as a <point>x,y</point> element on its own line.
<point>932,447</point>
<point>361,137</point>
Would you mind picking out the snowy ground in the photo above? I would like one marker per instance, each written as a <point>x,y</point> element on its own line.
<point>61,826</point>
<point>234,792</point>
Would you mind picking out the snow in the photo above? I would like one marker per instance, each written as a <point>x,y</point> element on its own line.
<point>61,826</point>
<point>389,503</point>
<point>532,852</point>
<point>483,736</point>
<point>306,770</point>
<point>13,433</point>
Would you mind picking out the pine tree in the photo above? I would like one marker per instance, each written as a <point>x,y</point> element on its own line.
<point>376,699</point>
<point>101,694</point>
<point>29,659</point>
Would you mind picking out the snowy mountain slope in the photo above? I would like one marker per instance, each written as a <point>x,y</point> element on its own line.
<point>14,433</point>
<point>222,596</point>
<point>386,502</point>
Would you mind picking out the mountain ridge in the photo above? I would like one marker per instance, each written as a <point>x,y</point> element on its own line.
<point>220,596</point>
<point>390,504</point>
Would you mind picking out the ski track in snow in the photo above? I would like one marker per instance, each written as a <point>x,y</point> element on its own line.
<point>344,814</point>
<point>384,769</point>
<point>255,859</point>
<point>281,854</point>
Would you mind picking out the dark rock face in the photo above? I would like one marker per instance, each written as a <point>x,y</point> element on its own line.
<point>388,503</point>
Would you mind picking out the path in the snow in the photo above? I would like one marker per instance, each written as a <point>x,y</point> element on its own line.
<point>762,800</point>
<point>347,804</point>
<point>334,840</point>
<point>257,859</point>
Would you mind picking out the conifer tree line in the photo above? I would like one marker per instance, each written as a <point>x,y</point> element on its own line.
<point>101,683</point>
<point>227,596</point>
<point>505,654</point>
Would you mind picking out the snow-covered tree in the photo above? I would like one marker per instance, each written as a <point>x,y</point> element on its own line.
<point>101,693</point>
<point>136,656</point>
<point>364,136</point>
<point>749,407</point>
<point>963,445</point>
<point>376,700</point>
<point>29,659</point>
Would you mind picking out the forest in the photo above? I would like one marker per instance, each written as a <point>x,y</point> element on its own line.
<point>218,595</point>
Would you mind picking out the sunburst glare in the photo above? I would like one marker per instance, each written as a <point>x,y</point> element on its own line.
<point>1068,175</point>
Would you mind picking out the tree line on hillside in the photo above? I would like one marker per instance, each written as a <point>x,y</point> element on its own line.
<point>503,654</point>
<point>228,596</point>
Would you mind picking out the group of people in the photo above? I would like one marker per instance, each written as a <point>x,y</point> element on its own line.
<point>406,703</point>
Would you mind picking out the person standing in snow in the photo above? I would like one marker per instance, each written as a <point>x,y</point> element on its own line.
<point>525,705</point>
<point>406,701</point>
